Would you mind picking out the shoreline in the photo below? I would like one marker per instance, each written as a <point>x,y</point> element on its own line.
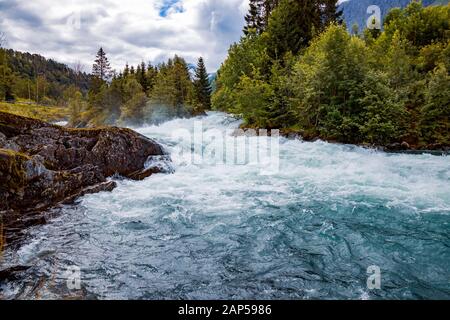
<point>394,148</point>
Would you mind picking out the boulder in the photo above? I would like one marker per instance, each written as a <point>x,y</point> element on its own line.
<point>42,165</point>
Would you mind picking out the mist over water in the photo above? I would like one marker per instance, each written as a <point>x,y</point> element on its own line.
<point>215,231</point>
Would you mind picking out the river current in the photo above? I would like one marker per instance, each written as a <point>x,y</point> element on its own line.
<point>321,227</point>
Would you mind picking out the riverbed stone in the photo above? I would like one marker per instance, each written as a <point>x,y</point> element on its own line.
<point>42,165</point>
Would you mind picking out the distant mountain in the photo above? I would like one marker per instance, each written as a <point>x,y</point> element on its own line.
<point>355,11</point>
<point>28,66</point>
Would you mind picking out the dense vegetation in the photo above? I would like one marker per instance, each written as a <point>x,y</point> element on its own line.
<point>145,94</point>
<point>35,78</point>
<point>355,11</point>
<point>311,76</point>
<point>30,83</point>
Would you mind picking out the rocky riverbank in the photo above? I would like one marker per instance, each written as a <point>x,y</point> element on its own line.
<point>42,165</point>
<point>403,147</point>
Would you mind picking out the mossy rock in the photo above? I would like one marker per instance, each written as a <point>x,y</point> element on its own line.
<point>12,169</point>
<point>42,164</point>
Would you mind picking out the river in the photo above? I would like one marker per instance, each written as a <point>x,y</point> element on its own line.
<point>314,229</point>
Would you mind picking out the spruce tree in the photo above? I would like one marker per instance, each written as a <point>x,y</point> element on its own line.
<point>269,6</point>
<point>142,76</point>
<point>202,86</point>
<point>257,18</point>
<point>173,90</point>
<point>138,71</point>
<point>293,23</point>
<point>6,78</point>
<point>330,12</point>
<point>126,71</point>
<point>150,77</point>
<point>254,17</point>
<point>101,67</point>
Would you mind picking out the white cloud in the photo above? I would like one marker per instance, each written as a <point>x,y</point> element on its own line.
<point>130,31</point>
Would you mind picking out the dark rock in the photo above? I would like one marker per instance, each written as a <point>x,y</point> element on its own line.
<point>105,186</point>
<point>394,147</point>
<point>437,146</point>
<point>145,173</point>
<point>154,164</point>
<point>398,146</point>
<point>42,164</point>
<point>12,272</point>
<point>405,145</point>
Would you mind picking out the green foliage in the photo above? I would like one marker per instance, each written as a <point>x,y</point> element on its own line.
<point>101,68</point>
<point>418,25</point>
<point>385,117</point>
<point>328,85</point>
<point>287,32</point>
<point>258,16</point>
<point>6,78</point>
<point>173,89</point>
<point>254,92</point>
<point>435,114</point>
<point>32,77</point>
<point>144,94</point>
<point>254,18</point>
<point>77,106</point>
<point>202,87</point>
<point>135,101</point>
<point>243,58</point>
<point>380,88</point>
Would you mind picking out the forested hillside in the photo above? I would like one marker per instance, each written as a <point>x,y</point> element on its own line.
<point>33,77</point>
<point>144,93</point>
<point>313,77</point>
<point>355,11</point>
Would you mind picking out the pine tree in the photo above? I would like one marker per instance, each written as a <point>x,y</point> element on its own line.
<point>257,18</point>
<point>142,76</point>
<point>435,114</point>
<point>253,19</point>
<point>173,89</point>
<point>293,23</point>
<point>101,67</point>
<point>269,6</point>
<point>6,78</point>
<point>202,86</point>
<point>126,71</point>
<point>330,12</point>
<point>138,71</point>
<point>150,76</point>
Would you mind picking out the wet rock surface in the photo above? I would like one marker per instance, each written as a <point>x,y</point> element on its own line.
<point>42,165</point>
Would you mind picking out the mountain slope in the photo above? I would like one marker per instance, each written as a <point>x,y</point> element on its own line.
<point>28,66</point>
<point>355,11</point>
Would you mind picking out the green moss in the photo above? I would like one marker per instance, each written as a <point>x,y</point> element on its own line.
<point>29,110</point>
<point>12,166</point>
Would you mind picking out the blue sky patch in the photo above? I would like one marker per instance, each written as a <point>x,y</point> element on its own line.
<point>167,5</point>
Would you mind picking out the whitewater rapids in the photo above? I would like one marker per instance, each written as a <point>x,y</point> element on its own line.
<point>226,231</point>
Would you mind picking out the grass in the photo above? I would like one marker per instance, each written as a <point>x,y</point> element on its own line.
<point>29,109</point>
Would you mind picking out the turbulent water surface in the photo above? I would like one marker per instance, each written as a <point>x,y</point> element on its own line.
<point>212,231</point>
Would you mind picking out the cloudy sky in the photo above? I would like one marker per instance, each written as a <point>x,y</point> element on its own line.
<point>129,30</point>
